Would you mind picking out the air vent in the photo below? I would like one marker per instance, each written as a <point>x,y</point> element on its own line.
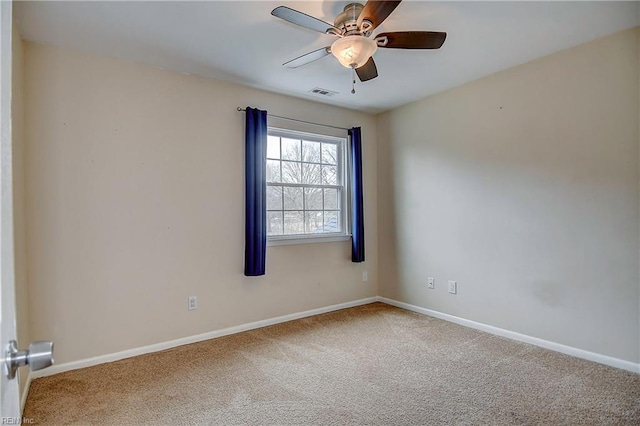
<point>322,92</point>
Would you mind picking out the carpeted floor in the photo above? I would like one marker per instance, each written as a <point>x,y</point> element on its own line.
<point>373,365</point>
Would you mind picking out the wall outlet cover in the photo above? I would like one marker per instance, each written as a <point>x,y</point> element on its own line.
<point>193,303</point>
<point>453,287</point>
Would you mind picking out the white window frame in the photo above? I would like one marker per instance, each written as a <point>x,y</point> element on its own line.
<point>345,199</point>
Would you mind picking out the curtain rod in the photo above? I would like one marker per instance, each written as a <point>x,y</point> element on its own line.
<point>299,121</point>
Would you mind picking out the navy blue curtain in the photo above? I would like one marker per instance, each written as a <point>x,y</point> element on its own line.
<point>357,208</point>
<point>255,230</point>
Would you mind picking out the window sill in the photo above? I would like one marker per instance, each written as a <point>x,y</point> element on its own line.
<point>300,239</point>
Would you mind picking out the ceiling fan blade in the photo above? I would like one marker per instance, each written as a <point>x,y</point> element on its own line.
<point>304,20</point>
<point>376,11</point>
<point>368,71</point>
<point>307,58</point>
<point>412,40</point>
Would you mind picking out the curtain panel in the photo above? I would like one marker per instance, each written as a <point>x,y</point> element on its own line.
<point>255,247</point>
<point>357,205</point>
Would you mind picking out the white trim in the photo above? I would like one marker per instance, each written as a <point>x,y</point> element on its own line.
<point>305,239</point>
<point>25,392</point>
<point>579,353</point>
<point>101,359</point>
<point>558,347</point>
<point>281,132</point>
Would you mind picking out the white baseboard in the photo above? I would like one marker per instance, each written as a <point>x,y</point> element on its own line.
<point>568,350</point>
<point>579,353</point>
<point>74,365</point>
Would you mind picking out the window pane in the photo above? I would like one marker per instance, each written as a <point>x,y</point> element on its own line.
<point>311,174</point>
<point>273,171</point>
<point>329,153</point>
<point>311,151</point>
<point>332,222</point>
<point>274,197</point>
<point>292,198</point>
<point>274,223</point>
<point>273,147</point>
<point>313,222</point>
<point>313,198</point>
<point>293,223</point>
<point>291,149</point>
<point>330,198</point>
<point>291,172</point>
<point>329,175</point>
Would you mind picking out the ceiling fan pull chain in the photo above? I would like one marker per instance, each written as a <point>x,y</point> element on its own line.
<point>353,77</point>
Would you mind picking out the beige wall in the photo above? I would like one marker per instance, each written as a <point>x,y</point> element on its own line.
<point>523,186</point>
<point>135,202</point>
<point>19,219</point>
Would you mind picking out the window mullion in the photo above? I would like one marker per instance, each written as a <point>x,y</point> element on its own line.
<point>280,139</point>
<point>306,185</point>
<point>304,205</point>
<point>282,188</point>
<point>322,202</point>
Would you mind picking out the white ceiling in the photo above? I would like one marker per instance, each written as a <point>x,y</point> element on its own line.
<point>240,41</point>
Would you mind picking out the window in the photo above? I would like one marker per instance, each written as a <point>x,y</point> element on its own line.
<point>306,186</point>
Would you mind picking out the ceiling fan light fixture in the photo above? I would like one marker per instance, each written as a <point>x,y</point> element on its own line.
<point>353,51</point>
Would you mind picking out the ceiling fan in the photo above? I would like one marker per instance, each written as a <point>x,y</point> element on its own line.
<point>354,26</point>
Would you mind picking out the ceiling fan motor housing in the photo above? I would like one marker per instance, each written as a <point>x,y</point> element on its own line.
<point>348,20</point>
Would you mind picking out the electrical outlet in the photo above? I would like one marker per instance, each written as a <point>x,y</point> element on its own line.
<point>365,276</point>
<point>193,303</point>
<point>453,287</point>
<point>431,283</point>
